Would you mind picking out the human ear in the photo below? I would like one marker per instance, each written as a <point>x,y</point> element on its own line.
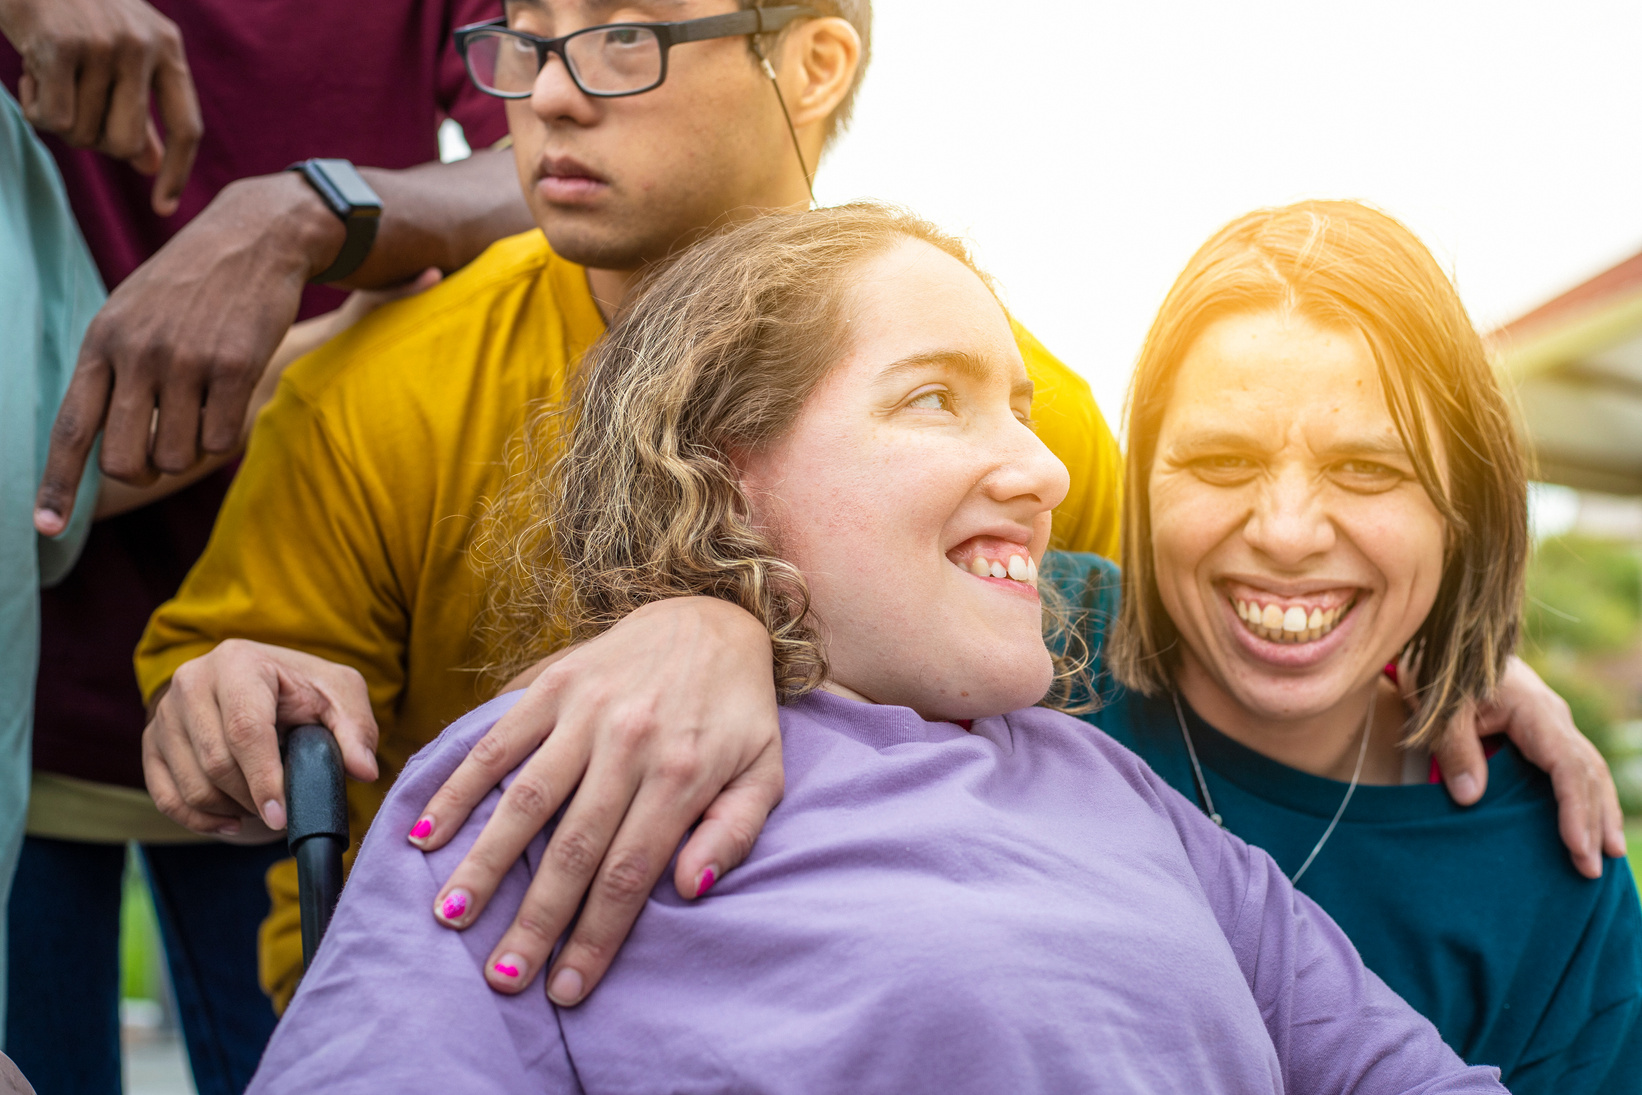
<point>819,60</point>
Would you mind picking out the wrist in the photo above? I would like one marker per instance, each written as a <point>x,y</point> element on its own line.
<point>723,617</point>
<point>296,224</point>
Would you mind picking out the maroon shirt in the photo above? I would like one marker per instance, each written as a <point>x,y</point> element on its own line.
<point>278,81</point>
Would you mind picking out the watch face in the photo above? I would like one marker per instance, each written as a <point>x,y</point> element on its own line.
<point>350,186</point>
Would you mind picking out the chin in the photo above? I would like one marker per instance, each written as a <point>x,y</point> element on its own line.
<point>1280,698</point>
<point>615,238</point>
<point>1001,686</point>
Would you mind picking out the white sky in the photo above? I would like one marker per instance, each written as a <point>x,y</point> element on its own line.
<point>1088,147</point>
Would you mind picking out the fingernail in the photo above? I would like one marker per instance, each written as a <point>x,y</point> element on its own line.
<point>422,830</point>
<point>273,815</point>
<point>566,987</point>
<point>509,965</point>
<point>705,882</point>
<point>48,521</point>
<point>454,906</point>
<point>228,828</point>
<point>1465,785</point>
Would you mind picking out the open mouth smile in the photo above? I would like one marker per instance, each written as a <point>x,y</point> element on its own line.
<point>993,557</point>
<point>1291,619</point>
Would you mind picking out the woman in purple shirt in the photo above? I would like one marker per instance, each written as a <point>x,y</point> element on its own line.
<point>823,418</point>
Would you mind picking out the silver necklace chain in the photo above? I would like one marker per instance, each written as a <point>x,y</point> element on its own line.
<point>1208,799</point>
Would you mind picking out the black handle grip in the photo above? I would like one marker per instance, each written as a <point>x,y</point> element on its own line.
<point>316,810</point>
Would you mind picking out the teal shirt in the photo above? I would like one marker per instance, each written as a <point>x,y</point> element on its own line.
<point>49,290</point>
<point>1475,915</point>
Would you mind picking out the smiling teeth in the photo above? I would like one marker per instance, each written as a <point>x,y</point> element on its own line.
<point>1291,625</point>
<point>1017,567</point>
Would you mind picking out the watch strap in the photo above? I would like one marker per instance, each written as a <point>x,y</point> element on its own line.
<point>345,193</point>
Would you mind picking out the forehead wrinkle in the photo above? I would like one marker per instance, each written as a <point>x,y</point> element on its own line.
<point>1364,446</point>
<point>1218,436</point>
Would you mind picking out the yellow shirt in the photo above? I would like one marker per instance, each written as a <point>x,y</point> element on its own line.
<point>346,531</point>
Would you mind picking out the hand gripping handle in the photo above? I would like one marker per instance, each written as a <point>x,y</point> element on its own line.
<point>316,810</point>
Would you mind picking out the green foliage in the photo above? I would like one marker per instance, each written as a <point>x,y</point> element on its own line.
<point>1585,605</point>
<point>1593,704</point>
<point>140,948</point>
<point>1584,595</point>
<point>1633,840</point>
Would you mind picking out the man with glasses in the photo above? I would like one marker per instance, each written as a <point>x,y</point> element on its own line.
<point>338,586</point>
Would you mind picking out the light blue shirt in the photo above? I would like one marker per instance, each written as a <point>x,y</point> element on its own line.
<point>49,290</point>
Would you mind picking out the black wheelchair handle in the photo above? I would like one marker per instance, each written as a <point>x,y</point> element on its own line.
<point>316,811</point>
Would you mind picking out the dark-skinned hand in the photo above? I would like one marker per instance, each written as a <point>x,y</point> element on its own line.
<point>168,366</point>
<point>91,69</point>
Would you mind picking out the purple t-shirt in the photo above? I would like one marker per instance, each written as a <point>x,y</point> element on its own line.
<point>1024,907</point>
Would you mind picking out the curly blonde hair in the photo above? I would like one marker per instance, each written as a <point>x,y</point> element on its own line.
<point>715,352</point>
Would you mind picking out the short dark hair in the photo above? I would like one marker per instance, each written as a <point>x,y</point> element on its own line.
<point>858,14</point>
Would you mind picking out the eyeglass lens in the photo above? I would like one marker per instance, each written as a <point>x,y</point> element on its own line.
<point>603,60</point>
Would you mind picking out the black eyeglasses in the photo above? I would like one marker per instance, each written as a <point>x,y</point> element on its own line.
<point>606,61</point>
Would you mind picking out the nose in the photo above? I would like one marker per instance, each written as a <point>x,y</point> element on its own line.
<point>1289,523</point>
<point>555,95</point>
<point>1026,471</point>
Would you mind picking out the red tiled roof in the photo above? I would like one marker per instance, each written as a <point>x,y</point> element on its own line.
<point>1621,281</point>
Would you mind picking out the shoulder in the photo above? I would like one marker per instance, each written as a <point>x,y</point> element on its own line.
<point>517,294</point>
<point>1223,864</point>
<point>418,400</point>
<point>435,761</point>
<point>1100,750</point>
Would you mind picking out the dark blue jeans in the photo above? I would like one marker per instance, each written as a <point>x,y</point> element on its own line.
<point>63,1017</point>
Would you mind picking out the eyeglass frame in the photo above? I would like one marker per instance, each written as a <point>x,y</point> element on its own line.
<point>748,21</point>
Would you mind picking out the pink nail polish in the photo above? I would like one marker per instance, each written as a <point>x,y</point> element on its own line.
<point>506,970</point>
<point>456,903</point>
<point>423,829</point>
<point>708,877</point>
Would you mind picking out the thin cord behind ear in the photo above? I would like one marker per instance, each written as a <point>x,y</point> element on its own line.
<point>769,70</point>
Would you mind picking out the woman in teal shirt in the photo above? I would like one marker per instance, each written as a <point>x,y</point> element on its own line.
<point>1324,480</point>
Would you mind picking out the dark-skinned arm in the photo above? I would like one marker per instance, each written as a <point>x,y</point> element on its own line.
<point>191,331</point>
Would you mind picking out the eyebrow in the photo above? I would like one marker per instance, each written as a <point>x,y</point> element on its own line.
<point>959,361</point>
<point>1231,439</point>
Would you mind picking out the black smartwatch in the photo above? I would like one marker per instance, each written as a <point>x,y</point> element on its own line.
<point>346,193</point>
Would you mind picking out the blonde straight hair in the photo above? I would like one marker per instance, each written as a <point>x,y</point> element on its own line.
<point>1345,265</point>
<point>715,352</point>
